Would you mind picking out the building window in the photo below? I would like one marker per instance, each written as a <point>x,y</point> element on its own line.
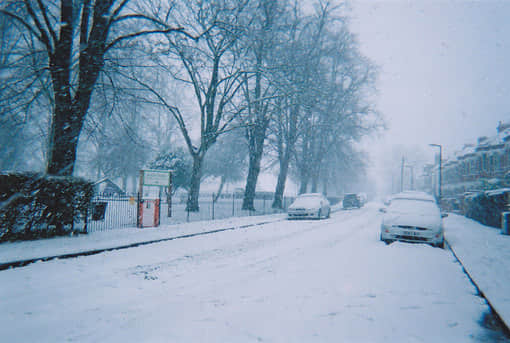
<point>485,166</point>
<point>506,159</point>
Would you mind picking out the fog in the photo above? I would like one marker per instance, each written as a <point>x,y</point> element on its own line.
<point>430,71</point>
<point>442,71</point>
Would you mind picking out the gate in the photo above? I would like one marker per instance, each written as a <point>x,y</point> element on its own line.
<point>111,212</point>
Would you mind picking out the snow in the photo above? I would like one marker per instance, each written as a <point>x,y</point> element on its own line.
<point>308,202</point>
<point>22,251</point>
<point>414,195</point>
<point>498,191</point>
<point>485,253</point>
<point>284,281</point>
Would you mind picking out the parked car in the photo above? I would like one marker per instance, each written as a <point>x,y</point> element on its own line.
<point>309,205</point>
<point>413,218</point>
<point>351,200</point>
<point>417,195</point>
<point>362,199</point>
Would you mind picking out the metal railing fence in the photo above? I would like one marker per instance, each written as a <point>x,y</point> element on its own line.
<point>115,212</point>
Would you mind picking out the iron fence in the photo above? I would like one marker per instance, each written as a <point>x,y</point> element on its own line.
<point>115,212</point>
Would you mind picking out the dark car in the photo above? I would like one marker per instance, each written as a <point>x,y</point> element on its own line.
<point>351,200</point>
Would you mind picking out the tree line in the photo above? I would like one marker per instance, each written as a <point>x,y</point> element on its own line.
<point>223,88</point>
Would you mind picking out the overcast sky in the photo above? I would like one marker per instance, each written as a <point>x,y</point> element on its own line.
<point>444,68</point>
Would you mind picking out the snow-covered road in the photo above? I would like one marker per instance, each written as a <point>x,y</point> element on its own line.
<point>290,281</point>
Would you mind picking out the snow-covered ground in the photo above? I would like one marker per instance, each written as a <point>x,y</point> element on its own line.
<point>38,249</point>
<point>485,254</point>
<point>285,281</point>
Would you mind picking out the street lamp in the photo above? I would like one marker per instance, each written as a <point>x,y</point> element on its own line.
<point>440,169</point>
<point>412,175</point>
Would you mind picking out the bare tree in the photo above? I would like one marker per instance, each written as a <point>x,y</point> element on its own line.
<point>259,91</point>
<point>22,100</point>
<point>298,60</point>
<point>340,115</point>
<point>326,87</point>
<point>76,36</point>
<point>211,68</point>
<point>226,159</point>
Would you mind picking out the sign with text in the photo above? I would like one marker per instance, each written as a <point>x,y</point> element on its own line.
<point>156,178</point>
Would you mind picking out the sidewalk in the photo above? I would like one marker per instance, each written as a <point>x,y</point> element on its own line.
<point>485,254</point>
<point>21,253</point>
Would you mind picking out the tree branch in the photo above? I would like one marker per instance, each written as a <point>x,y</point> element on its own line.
<point>145,33</point>
<point>25,24</point>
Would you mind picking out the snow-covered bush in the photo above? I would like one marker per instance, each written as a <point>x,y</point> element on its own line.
<point>486,207</point>
<point>35,205</point>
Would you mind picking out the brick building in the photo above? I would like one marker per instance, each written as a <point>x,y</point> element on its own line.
<point>476,167</point>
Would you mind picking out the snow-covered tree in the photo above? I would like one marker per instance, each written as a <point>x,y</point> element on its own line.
<point>263,35</point>
<point>208,68</point>
<point>75,37</point>
<point>227,159</point>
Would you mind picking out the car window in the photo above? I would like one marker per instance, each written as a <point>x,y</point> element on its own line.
<point>307,201</point>
<point>414,206</point>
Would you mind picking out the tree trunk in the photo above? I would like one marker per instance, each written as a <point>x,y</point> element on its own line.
<point>220,189</point>
<point>63,143</point>
<point>253,174</point>
<point>315,182</point>
<point>256,135</point>
<point>282,179</point>
<point>325,182</point>
<point>194,191</point>
<point>124,183</point>
<point>303,186</point>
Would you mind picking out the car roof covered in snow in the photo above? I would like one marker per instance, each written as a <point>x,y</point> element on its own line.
<point>306,195</point>
<point>413,195</point>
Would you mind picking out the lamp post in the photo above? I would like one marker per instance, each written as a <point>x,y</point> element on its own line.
<point>440,169</point>
<point>412,175</point>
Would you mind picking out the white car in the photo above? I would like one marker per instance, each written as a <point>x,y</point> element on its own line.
<point>417,195</point>
<point>309,205</point>
<point>413,219</point>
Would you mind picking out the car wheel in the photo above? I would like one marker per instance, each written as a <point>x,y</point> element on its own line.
<point>440,244</point>
<point>387,241</point>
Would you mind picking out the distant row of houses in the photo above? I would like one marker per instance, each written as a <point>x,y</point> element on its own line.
<point>476,167</point>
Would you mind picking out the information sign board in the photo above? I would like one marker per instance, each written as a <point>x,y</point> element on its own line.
<point>156,178</point>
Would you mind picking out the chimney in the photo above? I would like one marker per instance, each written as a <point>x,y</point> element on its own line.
<point>503,126</point>
<point>482,139</point>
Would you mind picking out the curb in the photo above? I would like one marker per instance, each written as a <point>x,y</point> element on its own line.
<point>505,326</point>
<point>22,263</point>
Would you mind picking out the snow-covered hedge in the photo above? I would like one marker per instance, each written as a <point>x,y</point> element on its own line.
<point>486,207</point>
<point>36,206</point>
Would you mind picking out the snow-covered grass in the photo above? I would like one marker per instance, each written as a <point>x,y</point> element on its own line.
<point>286,281</point>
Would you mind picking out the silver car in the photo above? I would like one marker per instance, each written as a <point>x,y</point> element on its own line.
<point>309,205</point>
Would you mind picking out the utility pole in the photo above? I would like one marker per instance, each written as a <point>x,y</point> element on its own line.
<point>440,170</point>
<point>412,178</point>
<point>402,174</point>
<point>412,175</point>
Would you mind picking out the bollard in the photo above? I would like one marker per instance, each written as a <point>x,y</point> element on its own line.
<point>505,223</point>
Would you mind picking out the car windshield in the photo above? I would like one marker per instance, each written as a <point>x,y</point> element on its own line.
<point>414,206</point>
<point>350,196</point>
<point>307,201</point>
